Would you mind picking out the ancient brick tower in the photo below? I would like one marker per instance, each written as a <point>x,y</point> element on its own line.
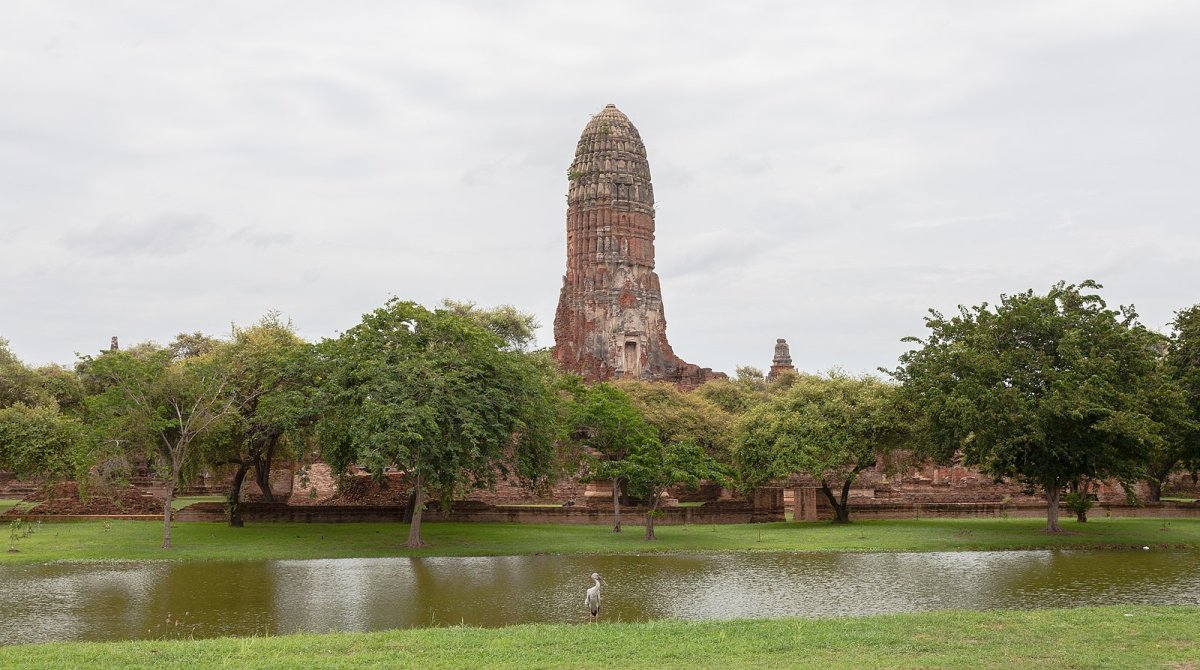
<point>610,322</point>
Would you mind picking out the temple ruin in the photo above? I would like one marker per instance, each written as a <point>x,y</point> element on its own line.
<point>782,362</point>
<point>610,323</point>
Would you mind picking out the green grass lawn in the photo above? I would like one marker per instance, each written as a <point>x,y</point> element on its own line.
<point>1108,637</point>
<point>140,540</point>
<point>18,505</point>
<point>183,501</point>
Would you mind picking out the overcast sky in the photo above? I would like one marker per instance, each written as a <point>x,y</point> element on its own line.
<point>826,172</point>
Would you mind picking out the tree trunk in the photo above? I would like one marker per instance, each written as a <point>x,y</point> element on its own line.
<point>262,468</point>
<point>412,503</point>
<point>616,490</point>
<point>235,496</point>
<point>262,476</point>
<point>844,511</point>
<point>1053,495</point>
<point>841,511</point>
<point>1154,488</point>
<point>168,498</point>
<point>414,528</point>
<point>650,519</point>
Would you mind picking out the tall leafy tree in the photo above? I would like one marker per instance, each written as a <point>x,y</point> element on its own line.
<point>605,420</point>
<point>433,393</point>
<point>831,429</point>
<point>169,404</point>
<point>653,466</point>
<point>1040,388</point>
<point>271,377</point>
<point>1181,449</point>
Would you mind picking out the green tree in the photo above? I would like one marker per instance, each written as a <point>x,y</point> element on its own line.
<point>653,466</point>
<point>168,404</point>
<point>39,442</point>
<point>272,379</point>
<point>604,420</point>
<point>433,393</point>
<point>18,383</point>
<point>831,429</point>
<point>682,417</point>
<point>1173,399</point>
<point>734,396</point>
<point>40,433</point>
<point>1040,388</point>
<point>1172,437</point>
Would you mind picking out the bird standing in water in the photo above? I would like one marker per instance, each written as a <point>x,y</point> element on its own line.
<point>592,599</point>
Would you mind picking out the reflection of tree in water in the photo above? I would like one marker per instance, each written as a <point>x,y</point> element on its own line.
<point>207,599</point>
<point>49,602</point>
<point>1075,578</point>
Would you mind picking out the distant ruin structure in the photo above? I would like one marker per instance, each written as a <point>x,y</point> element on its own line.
<point>112,345</point>
<point>782,362</point>
<point>610,323</point>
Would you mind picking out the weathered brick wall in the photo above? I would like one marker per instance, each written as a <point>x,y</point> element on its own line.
<point>767,505</point>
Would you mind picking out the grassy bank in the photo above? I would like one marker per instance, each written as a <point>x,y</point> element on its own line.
<point>1112,637</point>
<point>134,540</point>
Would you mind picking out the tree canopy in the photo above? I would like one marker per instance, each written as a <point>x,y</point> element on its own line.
<point>605,420</point>
<point>1041,388</point>
<point>437,394</point>
<point>159,401</point>
<point>828,428</point>
<point>272,380</point>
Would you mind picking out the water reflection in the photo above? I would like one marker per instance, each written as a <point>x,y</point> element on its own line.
<point>206,599</point>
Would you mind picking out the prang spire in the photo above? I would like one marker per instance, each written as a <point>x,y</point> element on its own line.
<point>610,321</point>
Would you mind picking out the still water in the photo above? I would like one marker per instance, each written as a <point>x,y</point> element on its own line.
<point>121,601</point>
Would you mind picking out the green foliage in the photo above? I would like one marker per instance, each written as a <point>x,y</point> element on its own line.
<point>271,374</point>
<point>1078,503</point>
<point>653,466</point>
<point>1041,388</point>
<point>515,328</point>
<point>39,442</point>
<point>18,384</point>
<point>830,429</point>
<point>605,420</point>
<point>438,394</point>
<point>1183,360</point>
<point>679,417</point>
<point>153,399</point>
<point>734,396</point>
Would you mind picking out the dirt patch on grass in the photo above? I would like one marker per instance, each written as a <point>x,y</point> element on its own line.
<point>64,498</point>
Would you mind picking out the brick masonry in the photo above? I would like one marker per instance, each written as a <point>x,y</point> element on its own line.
<point>610,321</point>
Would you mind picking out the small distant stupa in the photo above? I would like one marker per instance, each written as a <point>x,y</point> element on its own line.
<point>783,360</point>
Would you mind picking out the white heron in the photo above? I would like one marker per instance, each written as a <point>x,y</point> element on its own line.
<point>592,599</point>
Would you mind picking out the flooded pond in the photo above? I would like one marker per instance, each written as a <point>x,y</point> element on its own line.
<point>122,601</point>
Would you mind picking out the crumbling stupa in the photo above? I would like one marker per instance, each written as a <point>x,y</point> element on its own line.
<point>610,322</point>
